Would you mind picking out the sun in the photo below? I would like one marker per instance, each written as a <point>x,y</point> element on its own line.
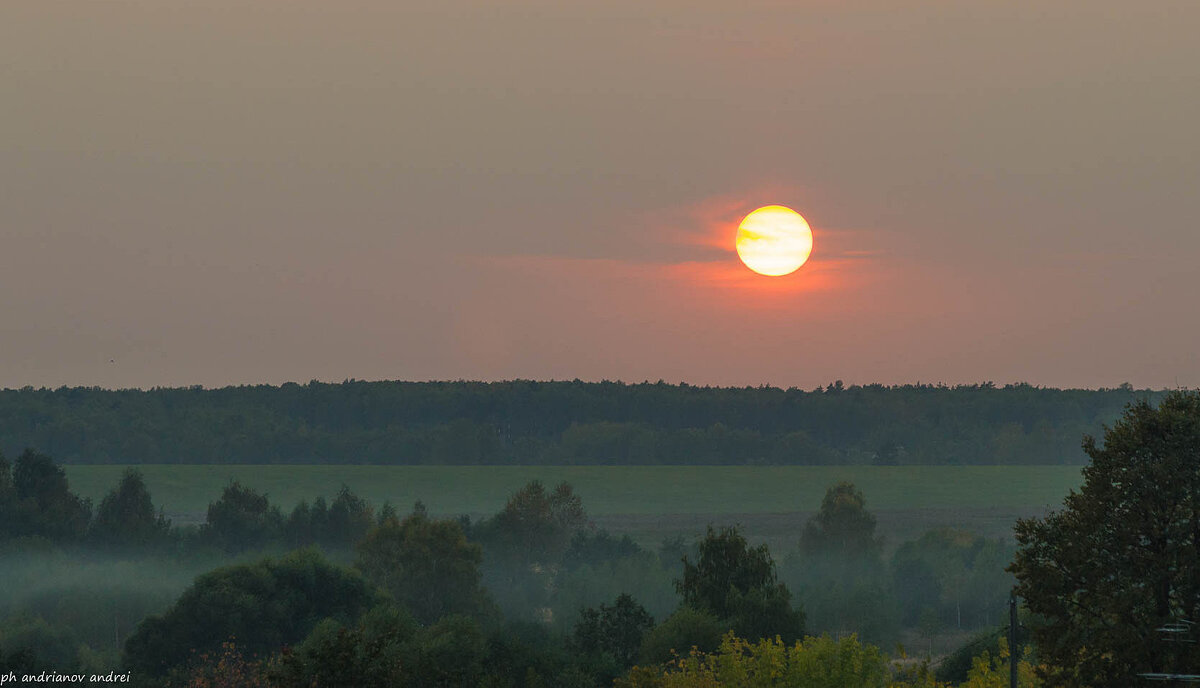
<point>774,240</point>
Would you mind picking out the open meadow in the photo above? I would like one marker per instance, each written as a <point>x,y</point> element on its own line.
<point>649,503</point>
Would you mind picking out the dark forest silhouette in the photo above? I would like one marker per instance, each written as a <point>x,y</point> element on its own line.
<point>528,422</point>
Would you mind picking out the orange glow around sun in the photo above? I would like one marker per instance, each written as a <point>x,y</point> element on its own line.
<point>774,240</point>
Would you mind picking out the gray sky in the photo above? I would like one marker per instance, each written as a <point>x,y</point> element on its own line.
<point>213,192</point>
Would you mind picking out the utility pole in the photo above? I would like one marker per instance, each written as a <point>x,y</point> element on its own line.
<point>1013,648</point>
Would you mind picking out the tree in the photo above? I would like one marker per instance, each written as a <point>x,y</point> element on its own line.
<point>305,523</point>
<point>427,565</point>
<point>242,519</point>
<point>387,647</point>
<point>957,572</point>
<point>126,516</point>
<point>956,667</point>
<point>1122,558</point>
<point>765,612</point>
<point>592,548</point>
<point>737,583</point>
<point>535,527</point>
<point>525,543</point>
<point>262,607</point>
<point>726,564</point>
<point>8,498</point>
<point>338,526</point>
<point>989,672</point>
<point>679,633</point>
<point>31,639</point>
<point>614,630</point>
<point>40,502</point>
<point>843,527</point>
<point>6,484</point>
<point>449,654</point>
<point>350,517</point>
<point>371,654</point>
<point>837,570</point>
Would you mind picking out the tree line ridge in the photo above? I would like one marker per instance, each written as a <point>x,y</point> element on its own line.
<point>568,422</point>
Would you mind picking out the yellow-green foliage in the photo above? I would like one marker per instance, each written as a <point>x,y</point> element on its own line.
<point>812,663</point>
<point>988,672</point>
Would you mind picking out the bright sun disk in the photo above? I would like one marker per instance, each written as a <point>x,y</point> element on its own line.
<point>774,240</point>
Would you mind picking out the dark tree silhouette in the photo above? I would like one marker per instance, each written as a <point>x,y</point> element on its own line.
<point>737,583</point>
<point>1122,557</point>
<point>241,519</point>
<point>262,607</point>
<point>40,502</point>
<point>614,630</point>
<point>843,527</point>
<point>427,565</point>
<point>126,517</point>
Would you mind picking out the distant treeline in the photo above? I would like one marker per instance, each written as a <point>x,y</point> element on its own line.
<point>530,422</point>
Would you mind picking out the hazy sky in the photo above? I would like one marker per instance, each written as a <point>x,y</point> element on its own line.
<point>214,192</point>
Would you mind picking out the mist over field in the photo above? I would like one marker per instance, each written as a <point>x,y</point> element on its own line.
<point>76,599</point>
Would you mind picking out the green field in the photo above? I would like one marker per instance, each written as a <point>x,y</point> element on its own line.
<point>647,502</point>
